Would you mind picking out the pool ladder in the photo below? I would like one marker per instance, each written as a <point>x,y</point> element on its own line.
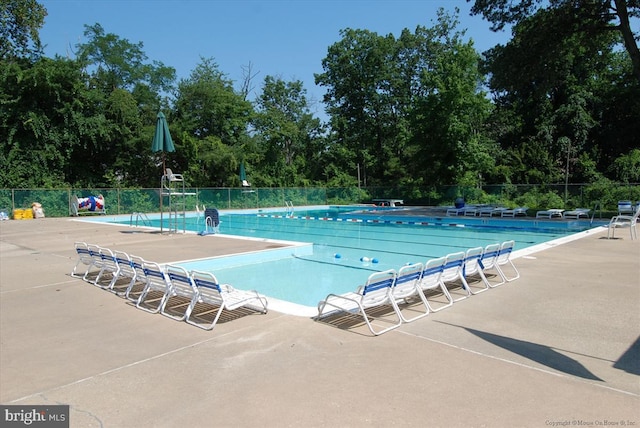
<point>289,208</point>
<point>598,208</point>
<point>139,217</point>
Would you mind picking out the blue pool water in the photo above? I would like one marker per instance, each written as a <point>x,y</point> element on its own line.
<point>348,246</point>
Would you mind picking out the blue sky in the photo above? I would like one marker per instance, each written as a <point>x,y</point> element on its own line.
<point>282,38</point>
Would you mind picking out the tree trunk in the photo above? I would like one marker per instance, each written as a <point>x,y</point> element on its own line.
<point>627,34</point>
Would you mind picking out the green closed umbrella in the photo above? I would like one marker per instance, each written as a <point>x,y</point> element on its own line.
<point>162,141</point>
<point>243,174</point>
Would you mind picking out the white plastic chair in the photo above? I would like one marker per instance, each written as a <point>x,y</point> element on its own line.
<point>622,221</point>
<point>625,208</point>
<point>140,278</point>
<point>452,271</point>
<point>430,281</point>
<point>471,267</point>
<point>180,285</point>
<point>504,260</point>
<point>109,266</point>
<point>210,291</point>
<point>489,262</point>
<point>375,293</point>
<point>125,270</point>
<point>407,286</point>
<point>96,263</point>
<point>84,258</point>
<point>157,282</point>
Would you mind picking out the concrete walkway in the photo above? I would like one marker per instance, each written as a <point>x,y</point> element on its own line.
<point>560,346</point>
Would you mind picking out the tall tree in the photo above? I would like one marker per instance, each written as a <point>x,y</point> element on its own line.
<point>209,114</point>
<point>20,23</point>
<point>557,85</point>
<point>408,109</point>
<point>289,131</point>
<point>116,63</point>
<point>589,17</point>
<point>366,113</point>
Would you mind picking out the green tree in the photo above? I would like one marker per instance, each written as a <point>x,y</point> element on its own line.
<point>589,18</point>
<point>552,86</point>
<point>46,125</point>
<point>290,135</point>
<point>368,112</point>
<point>408,109</point>
<point>20,23</point>
<point>448,120</point>
<point>209,112</point>
<point>117,63</point>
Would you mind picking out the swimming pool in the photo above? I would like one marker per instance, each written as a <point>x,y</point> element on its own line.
<point>347,244</point>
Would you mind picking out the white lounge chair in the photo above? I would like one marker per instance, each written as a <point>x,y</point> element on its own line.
<point>157,282</point>
<point>137,284</point>
<point>125,271</point>
<point>622,221</point>
<point>489,262</point>
<point>181,288</point>
<point>84,258</point>
<point>211,292</point>
<point>452,271</point>
<point>96,263</point>
<point>514,212</point>
<point>471,210</point>
<point>551,213</point>
<point>375,293</point>
<point>577,213</point>
<point>504,260</point>
<point>625,208</point>
<point>109,267</point>
<point>471,267</point>
<point>490,211</point>
<point>452,211</point>
<point>430,282</point>
<point>406,287</point>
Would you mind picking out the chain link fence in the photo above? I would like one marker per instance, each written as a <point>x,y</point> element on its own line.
<point>601,197</point>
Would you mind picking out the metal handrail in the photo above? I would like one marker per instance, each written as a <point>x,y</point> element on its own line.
<point>142,217</point>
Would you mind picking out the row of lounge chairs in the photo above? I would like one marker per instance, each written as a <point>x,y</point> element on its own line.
<point>171,291</point>
<point>491,211</point>
<point>488,267</point>
<point>487,211</point>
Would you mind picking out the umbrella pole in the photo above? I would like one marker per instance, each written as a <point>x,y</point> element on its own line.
<point>164,172</point>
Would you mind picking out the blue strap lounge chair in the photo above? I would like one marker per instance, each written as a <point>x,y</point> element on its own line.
<point>137,284</point>
<point>452,272</point>
<point>156,289</point>
<point>471,267</point>
<point>491,211</point>
<point>222,296</point>
<point>375,293</point>
<point>95,266</point>
<point>551,213</point>
<point>625,208</point>
<point>623,221</point>
<point>109,267</point>
<point>431,284</point>
<point>406,288</point>
<point>577,213</point>
<point>504,260</point>
<point>520,211</point>
<point>125,271</point>
<point>181,289</point>
<point>84,258</point>
<point>489,263</point>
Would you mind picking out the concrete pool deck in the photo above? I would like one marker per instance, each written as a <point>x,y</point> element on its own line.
<point>559,346</point>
